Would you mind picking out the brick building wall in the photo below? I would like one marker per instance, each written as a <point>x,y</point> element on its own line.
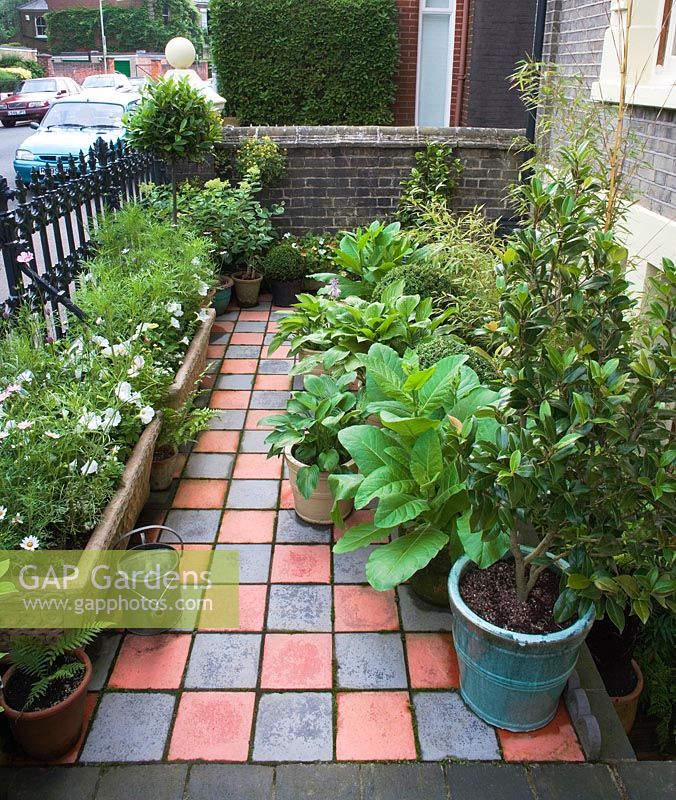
<point>342,177</point>
<point>574,40</point>
<point>407,23</point>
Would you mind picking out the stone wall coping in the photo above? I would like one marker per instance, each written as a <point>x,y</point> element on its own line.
<point>375,136</point>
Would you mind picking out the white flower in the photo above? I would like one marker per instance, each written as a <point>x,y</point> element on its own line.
<point>3,435</point>
<point>195,262</point>
<point>203,289</point>
<point>185,340</point>
<point>287,235</point>
<point>137,364</point>
<point>124,392</point>
<point>99,321</point>
<point>30,543</point>
<point>174,323</point>
<point>322,252</point>
<point>77,347</point>
<point>52,435</point>
<point>90,467</point>
<point>73,465</point>
<point>120,349</point>
<point>124,251</point>
<point>90,420</point>
<point>3,512</point>
<point>25,377</point>
<point>100,340</point>
<point>321,241</point>
<point>24,425</point>
<point>111,418</point>
<point>202,315</point>
<point>147,413</point>
<point>17,519</point>
<point>294,245</point>
<point>175,309</point>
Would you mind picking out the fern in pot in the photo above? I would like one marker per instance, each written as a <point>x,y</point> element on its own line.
<point>307,436</point>
<point>44,691</point>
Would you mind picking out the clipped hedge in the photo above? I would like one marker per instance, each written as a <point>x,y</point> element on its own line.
<point>294,62</point>
<point>127,29</point>
<point>35,70</point>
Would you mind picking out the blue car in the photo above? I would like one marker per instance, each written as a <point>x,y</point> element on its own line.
<point>72,125</point>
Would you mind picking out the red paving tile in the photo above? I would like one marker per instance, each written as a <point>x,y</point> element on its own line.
<point>195,493</point>
<point>286,497</point>
<point>247,527</point>
<point>301,563</point>
<point>257,466</point>
<point>247,338</point>
<point>229,399</point>
<point>374,726</point>
<point>226,326</point>
<point>432,662</point>
<point>215,351</point>
<point>239,366</point>
<point>253,416</point>
<point>280,353</point>
<point>212,726</point>
<point>217,442</point>
<point>151,662</point>
<point>297,661</point>
<point>273,326</point>
<point>361,608</point>
<point>251,611</point>
<point>555,742</point>
<point>273,382</point>
<point>254,316</point>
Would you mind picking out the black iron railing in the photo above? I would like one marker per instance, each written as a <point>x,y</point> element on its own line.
<point>54,218</point>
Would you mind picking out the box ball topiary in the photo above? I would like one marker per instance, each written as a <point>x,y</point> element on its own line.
<point>284,263</point>
<point>441,346</point>
<point>423,278</point>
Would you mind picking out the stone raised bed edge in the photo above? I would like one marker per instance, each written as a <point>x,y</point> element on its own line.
<point>193,366</point>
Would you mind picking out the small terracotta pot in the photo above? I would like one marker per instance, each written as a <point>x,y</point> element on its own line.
<point>45,735</point>
<point>247,289</point>
<point>626,706</point>
<point>317,509</point>
<point>162,469</point>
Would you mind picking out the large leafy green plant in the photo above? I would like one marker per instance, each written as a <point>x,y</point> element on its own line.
<point>305,327</point>
<point>311,425</point>
<point>434,179</point>
<point>410,465</point>
<point>366,255</point>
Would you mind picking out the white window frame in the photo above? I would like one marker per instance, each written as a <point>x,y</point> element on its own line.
<point>423,11</point>
<point>35,22</point>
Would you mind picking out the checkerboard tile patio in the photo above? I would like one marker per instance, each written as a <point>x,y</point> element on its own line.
<point>321,668</point>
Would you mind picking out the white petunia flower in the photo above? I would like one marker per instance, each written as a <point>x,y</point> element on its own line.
<point>90,467</point>
<point>124,251</point>
<point>195,262</point>
<point>73,465</point>
<point>90,420</point>
<point>52,435</point>
<point>137,364</point>
<point>287,235</point>
<point>30,543</point>
<point>202,315</point>
<point>3,512</point>
<point>25,377</point>
<point>100,340</point>
<point>111,418</point>
<point>3,435</point>
<point>17,519</point>
<point>174,323</point>
<point>124,392</point>
<point>185,340</point>
<point>203,289</point>
<point>24,425</point>
<point>99,321</point>
<point>175,309</point>
<point>147,414</point>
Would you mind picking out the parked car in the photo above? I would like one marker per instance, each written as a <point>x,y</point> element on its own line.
<point>73,125</point>
<point>33,98</point>
<point>115,81</point>
<point>139,83</point>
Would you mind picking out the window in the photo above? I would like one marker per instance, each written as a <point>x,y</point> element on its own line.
<point>435,38</point>
<point>651,58</point>
<point>40,28</point>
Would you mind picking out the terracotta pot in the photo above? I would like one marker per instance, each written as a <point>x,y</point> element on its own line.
<point>431,582</point>
<point>626,706</point>
<point>317,509</point>
<point>162,470</point>
<point>247,289</point>
<point>222,295</point>
<point>45,735</point>
<point>284,293</point>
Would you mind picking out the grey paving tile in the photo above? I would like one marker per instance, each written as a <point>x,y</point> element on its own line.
<point>417,615</point>
<point>350,567</point>
<point>129,726</point>
<point>488,782</point>
<point>55,783</point>
<point>150,782</point>
<point>648,780</point>
<point>102,654</point>
<point>370,661</point>
<point>250,327</point>
<point>277,315</point>
<point>292,529</point>
<point>268,338</point>
<point>269,399</point>
<point>243,351</point>
<point>254,442</point>
<point>228,316</point>
<point>239,382</point>
<point>294,726</point>
<point>209,465</point>
<point>224,661</point>
<point>254,561</point>
<point>219,337</point>
<point>298,383</point>
<point>275,366</point>
<point>252,494</point>
<point>448,729</point>
<point>229,782</point>
<point>228,420</point>
<point>315,782</point>
<point>193,526</point>
<point>409,781</point>
<point>299,608</point>
<point>567,781</point>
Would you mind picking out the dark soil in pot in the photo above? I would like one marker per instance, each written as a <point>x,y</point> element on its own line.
<point>491,593</point>
<point>612,652</point>
<point>16,693</point>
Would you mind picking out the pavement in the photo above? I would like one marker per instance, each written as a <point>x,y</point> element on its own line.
<point>10,139</point>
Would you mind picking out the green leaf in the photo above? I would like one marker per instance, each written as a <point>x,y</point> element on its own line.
<point>360,536</point>
<point>515,460</point>
<point>616,613</point>
<point>4,566</point>
<point>345,487</point>
<point>408,426</point>
<point>483,553</point>
<point>396,509</point>
<point>642,610</point>
<point>426,460</point>
<point>578,581</point>
<point>395,562</point>
<point>308,479</point>
<point>418,379</point>
<point>366,444</point>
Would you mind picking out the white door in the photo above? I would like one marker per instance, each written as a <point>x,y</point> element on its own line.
<point>435,62</point>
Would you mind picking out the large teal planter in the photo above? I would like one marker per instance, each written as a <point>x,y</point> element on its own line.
<point>511,680</point>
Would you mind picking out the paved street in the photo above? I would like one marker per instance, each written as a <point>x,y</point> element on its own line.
<point>10,139</point>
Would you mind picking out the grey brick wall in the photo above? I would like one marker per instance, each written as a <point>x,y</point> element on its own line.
<point>574,41</point>
<point>342,177</point>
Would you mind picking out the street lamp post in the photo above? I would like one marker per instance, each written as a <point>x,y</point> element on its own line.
<point>104,46</point>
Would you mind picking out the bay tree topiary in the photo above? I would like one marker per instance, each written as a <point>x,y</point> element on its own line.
<point>175,122</point>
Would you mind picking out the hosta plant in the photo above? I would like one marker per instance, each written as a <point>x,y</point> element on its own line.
<point>410,465</point>
<point>310,427</point>
<point>306,326</point>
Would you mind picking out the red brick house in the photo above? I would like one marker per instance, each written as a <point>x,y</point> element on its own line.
<point>455,57</point>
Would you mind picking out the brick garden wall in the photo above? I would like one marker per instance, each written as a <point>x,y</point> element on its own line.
<point>341,177</point>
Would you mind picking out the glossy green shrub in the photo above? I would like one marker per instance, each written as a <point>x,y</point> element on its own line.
<point>424,278</point>
<point>284,263</point>
<point>435,349</point>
